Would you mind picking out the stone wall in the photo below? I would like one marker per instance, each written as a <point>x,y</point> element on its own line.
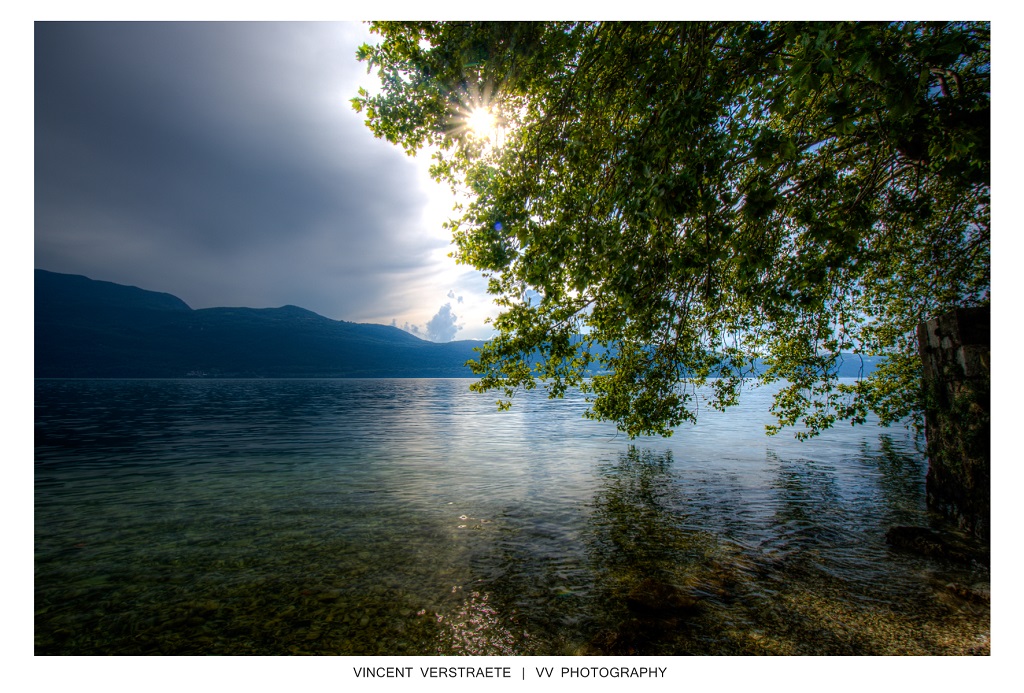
<point>955,354</point>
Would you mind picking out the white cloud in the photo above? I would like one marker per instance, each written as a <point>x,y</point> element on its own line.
<point>442,327</point>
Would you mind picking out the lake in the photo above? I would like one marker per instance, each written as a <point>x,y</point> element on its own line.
<point>410,517</point>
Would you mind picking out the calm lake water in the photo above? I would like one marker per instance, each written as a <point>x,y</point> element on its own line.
<point>411,517</point>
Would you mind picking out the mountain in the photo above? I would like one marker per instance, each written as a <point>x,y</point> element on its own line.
<point>95,329</point>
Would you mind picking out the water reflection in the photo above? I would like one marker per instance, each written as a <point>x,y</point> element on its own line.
<point>821,581</point>
<point>409,517</point>
<point>647,562</point>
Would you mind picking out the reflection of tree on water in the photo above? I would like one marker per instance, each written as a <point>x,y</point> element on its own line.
<point>647,564</point>
<point>634,570</point>
<point>636,533</point>
<point>901,480</point>
<point>809,508</point>
<point>672,579</point>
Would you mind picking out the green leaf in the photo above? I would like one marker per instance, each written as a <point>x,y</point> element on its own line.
<point>690,198</point>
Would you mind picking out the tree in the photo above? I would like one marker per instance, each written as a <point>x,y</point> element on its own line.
<point>681,206</point>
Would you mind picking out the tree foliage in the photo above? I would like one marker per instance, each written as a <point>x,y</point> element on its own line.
<point>680,206</point>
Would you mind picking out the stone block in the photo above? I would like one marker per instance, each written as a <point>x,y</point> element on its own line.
<point>955,355</point>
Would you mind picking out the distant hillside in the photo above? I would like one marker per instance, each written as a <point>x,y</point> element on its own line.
<point>96,329</point>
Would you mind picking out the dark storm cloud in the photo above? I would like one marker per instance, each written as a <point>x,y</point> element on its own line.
<point>222,163</point>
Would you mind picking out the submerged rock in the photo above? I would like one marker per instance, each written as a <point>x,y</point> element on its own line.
<point>928,542</point>
<point>978,594</point>
<point>655,598</point>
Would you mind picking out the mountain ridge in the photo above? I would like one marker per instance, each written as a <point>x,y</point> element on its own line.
<point>87,328</point>
<point>93,328</point>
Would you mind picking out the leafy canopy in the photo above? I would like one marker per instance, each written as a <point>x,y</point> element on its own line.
<point>679,206</point>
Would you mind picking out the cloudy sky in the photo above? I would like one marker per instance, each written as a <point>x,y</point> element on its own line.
<point>223,163</point>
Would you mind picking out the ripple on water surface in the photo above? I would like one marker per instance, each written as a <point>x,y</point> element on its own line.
<point>411,517</point>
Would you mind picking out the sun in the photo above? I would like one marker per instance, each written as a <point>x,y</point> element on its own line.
<point>482,123</point>
<point>478,120</point>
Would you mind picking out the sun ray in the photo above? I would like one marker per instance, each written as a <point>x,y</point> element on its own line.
<point>482,123</point>
<point>477,118</point>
